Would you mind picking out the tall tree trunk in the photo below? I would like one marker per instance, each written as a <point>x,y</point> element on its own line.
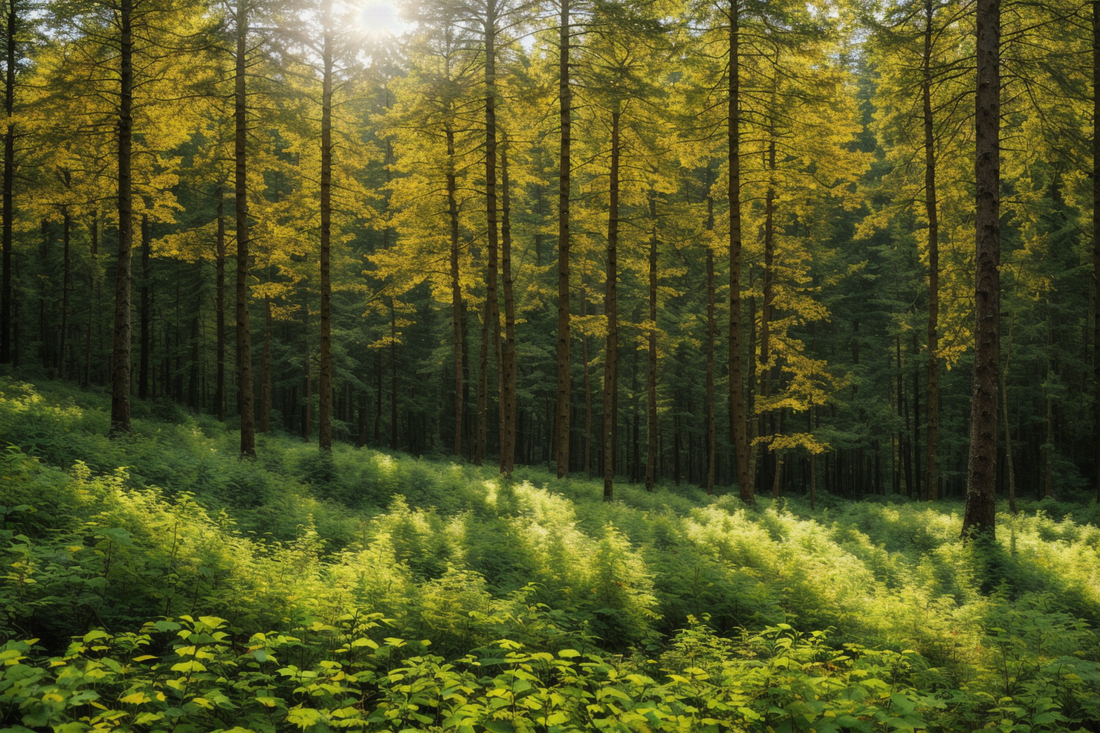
<point>492,310</point>
<point>611,356</point>
<point>120,348</point>
<point>561,438</point>
<point>146,299</point>
<point>738,425</point>
<point>265,371</point>
<point>931,211</point>
<point>66,266</point>
<point>767,416</point>
<point>651,354</point>
<point>219,309</point>
<point>1048,445</point>
<point>393,375</point>
<point>483,386</point>
<point>587,386</point>
<point>93,296</point>
<point>1095,237</point>
<point>456,291</point>
<point>980,513</point>
<point>244,336</point>
<point>1008,431</point>
<point>324,416</point>
<point>508,351</point>
<point>712,333</point>
<point>307,387</point>
<point>10,31</point>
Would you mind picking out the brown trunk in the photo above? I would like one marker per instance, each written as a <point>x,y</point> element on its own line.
<point>930,208</point>
<point>393,375</point>
<point>980,511</point>
<point>767,417</point>
<point>244,336</point>
<point>362,438</point>
<point>1048,446</point>
<point>10,31</point>
<point>265,372</point>
<point>146,301</point>
<point>483,387</point>
<point>193,378</point>
<point>587,388</point>
<point>1095,236</point>
<point>62,349</point>
<point>307,384</point>
<point>738,425</point>
<point>93,296</point>
<point>1008,432</point>
<point>120,349</point>
<point>561,438</point>
<point>219,307</point>
<point>651,354</point>
<point>916,420</point>
<point>508,360</point>
<point>610,373</point>
<point>711,334</point>
<point>456,291</point>
<point>324,386</point>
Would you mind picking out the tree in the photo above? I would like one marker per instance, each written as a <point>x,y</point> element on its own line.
<point>980,514</point>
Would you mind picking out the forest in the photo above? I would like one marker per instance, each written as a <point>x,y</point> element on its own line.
<point>495,365</point>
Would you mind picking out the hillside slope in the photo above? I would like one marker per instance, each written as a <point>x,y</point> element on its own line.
<point>103,540</point>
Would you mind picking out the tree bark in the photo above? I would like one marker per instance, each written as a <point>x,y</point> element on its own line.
<point>10,31</point>
<point>66,267</point>
<point>324,416</point>
<point>561,438</point>
<point>145,337</point>
<point>508,350</point>
<point>456,290</point>
<point>265,372</point>
<point>93,296</point>
<point>738,425</point>
<point>651,354</point>
<point>712,333</point>
<point>767,417</point>
<point>980,513</point>
<point>120,349</point>
<point>244,336</point>
<point>610,373</point>
<point>1008,431</point>
<point>1095,237</point>
<point>931,211</point>
<point>219,308</point>
<point>587,386</point>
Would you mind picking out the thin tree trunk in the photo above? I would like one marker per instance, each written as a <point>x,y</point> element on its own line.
<point>307,391</point>
<point>145,296</point>
<point>244,336</point>
<point>711,334</point>
<point>62,348</point>
<point>120,349</point>
<point>265,372</point>
<point>393,375</point>
<point>1008,431</point>
<point>1048,446</point>
<point>767,416</point>
<point>10,32</point>
<point>1095,237</point>
<point>508,360</point>
<point>610,374</point>
<point>324,416</point>
<point>587,387</point>
<point>456,291</point>
<point>219,307</point>
<point>930,206</point>
<point>980,513</point>
<point>738,425</point>
<point>651,354</point>
<point>93,296</point>
<point>561,438</point>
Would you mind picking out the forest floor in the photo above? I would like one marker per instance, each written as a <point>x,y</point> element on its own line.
<point>158,583</point>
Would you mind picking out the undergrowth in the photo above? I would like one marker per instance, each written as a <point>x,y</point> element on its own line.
<point>376,591</point>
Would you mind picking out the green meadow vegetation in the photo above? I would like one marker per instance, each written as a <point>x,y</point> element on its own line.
<point>157,583</point>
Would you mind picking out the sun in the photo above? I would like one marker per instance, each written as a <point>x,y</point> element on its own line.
<point>381,17</point>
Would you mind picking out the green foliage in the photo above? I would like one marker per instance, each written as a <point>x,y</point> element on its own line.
<point>539,608</point>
